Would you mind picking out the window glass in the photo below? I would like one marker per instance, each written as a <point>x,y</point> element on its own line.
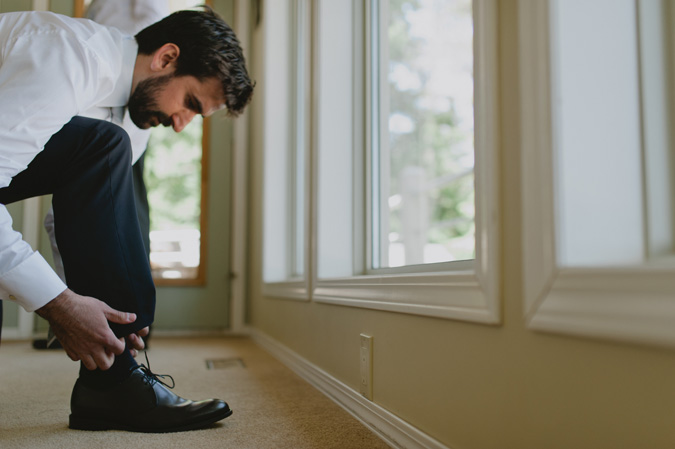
<point>423,141</point>
<point>285,140</point>
<point>597,134</point>
<point>173,174</point>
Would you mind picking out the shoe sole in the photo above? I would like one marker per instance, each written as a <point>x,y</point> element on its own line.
<point>85,423</point>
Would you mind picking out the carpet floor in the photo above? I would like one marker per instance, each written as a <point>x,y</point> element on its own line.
<point>273,407</point>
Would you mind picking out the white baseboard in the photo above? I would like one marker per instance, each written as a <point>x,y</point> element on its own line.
<point>13,333</point>
<point>162,333</point>
<point>392,429</point>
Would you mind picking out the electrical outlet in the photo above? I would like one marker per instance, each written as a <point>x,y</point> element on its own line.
<point>366,351</point>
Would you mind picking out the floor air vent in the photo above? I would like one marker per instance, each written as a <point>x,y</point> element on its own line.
<point>225,363</point>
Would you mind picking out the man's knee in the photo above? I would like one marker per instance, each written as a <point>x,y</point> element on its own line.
<point>92,138</point>
<point>116,140</point>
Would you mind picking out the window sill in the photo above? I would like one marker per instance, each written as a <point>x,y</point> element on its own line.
<point>625,304</point>
<point>295,290</point>
<point>452,295</point>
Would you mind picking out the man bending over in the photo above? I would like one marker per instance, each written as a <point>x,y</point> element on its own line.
<point>54,70</point>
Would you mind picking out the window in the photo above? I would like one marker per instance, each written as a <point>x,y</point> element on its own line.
<point>400,168</point>
<point>598,168</point>
<point>286,145</point>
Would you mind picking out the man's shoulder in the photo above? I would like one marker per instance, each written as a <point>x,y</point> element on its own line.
<point>14,25</point>
<point>31,29</point>
<point>84,56</point>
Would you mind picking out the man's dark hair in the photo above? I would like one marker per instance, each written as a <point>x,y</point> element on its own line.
<point>208,48</point>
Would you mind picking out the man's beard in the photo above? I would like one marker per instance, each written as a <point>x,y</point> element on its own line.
<point>143,109</point>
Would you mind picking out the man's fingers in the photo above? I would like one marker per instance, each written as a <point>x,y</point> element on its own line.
<point>104,360</point>
<point>88,362</point>
<point>115,345</point>
<point>118,317</point>
<point>144,332</point>
<point>74,357</point>
<point>135,341</point>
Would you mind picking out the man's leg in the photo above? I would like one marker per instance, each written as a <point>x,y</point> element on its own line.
<point>87,168</point>
<point>143,212</point>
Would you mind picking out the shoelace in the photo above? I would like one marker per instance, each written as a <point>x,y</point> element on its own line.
<point>154,378</point>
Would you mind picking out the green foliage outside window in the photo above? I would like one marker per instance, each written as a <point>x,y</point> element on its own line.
<point>427,134</point>
<point>173,175</point>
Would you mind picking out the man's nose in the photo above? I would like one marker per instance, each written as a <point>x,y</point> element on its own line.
<point>182,119</point>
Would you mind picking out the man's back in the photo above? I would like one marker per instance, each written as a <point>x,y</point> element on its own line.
<point>52,68</point>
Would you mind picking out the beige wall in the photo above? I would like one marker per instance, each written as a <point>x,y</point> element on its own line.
<point>473,386</point>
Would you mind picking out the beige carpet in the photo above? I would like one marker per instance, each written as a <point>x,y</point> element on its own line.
<point>273,407</point>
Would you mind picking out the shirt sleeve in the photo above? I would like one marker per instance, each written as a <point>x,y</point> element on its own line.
<point>45,79</point>
<point>26,277</point>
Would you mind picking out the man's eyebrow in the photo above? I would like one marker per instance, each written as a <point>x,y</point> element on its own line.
<point>193,103</point>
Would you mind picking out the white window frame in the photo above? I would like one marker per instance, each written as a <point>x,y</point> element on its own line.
<point>465,290</point>
<point>634,303</point>
<point>283,133</point>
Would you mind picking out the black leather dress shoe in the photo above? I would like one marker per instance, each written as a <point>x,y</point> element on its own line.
<point>142,403</point>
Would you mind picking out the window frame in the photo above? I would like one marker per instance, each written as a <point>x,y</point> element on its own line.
<point>463,290</point>
<point>300,138</point>
<point>294,287</point>
<point>630,304</point>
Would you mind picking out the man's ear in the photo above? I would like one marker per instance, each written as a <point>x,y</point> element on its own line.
<point>164,58</point>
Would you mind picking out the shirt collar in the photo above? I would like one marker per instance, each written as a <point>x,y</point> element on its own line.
<point>122,91</point>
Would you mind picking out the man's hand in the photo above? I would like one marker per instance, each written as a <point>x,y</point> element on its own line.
<point>81,325</point>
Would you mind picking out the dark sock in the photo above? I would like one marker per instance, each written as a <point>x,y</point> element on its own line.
<point>118,372</point>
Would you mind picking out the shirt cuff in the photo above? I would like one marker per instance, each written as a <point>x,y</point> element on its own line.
<point>31,284</point>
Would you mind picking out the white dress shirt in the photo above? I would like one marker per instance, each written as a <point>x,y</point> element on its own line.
<point>52,68</point>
